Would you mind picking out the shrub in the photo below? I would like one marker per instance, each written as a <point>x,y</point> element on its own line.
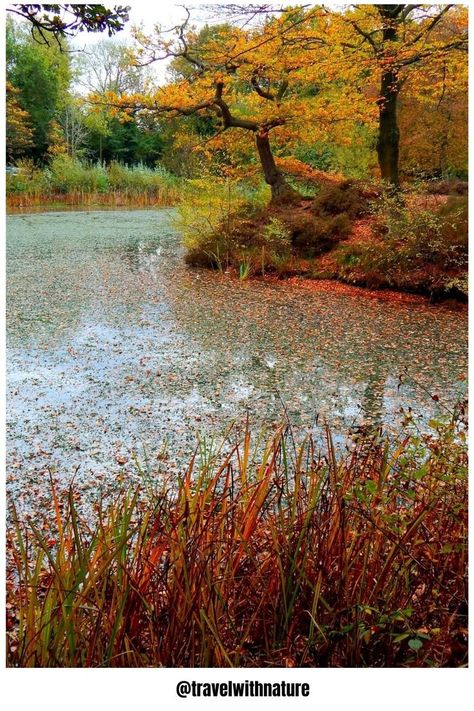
<point>414,248</point>
<point>452,186</point>
<point>313,235</point>
<point>29,178</point>
<point>68,175</point>
<point>276,240</point>
<point>426,236</point>
<point>454,223</point>
<point>342,198</point>
<point>217,221</point>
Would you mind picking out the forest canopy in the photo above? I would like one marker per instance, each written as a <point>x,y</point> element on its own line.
<point>361,90</point>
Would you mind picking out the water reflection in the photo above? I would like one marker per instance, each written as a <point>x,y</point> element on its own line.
<point>142,256</point>
<point>114,345</point>
<point>332,354</point>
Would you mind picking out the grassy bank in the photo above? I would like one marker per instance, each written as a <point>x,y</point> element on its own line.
<point>72,182</point>
<point>270,554</point>
<point>413,241</point>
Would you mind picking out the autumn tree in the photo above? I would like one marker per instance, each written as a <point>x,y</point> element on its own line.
<point>19,134</point>
<point>214,70</point>
<point>403,39</point>
<point>400,47</point>
<point>433,119</point>
<point>249,79</point>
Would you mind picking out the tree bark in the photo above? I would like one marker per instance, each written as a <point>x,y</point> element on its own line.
<point>388,142</point>
<point>281,191</point>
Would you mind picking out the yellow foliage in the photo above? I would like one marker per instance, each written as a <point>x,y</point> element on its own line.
<point>307,75</point>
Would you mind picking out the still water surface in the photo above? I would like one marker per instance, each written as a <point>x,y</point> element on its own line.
<point>115,348</point>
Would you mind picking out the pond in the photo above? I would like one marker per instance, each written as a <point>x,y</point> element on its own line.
<point>117,352</point>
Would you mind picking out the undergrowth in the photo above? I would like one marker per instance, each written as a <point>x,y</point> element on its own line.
<point>419,249</point>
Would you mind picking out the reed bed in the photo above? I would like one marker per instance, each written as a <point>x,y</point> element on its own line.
<point>262,554</point>
<point>70,181</point>
<point>115,198</point>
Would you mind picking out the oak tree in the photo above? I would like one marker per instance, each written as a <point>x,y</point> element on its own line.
<point>402,39</point>
<point>254,80</point>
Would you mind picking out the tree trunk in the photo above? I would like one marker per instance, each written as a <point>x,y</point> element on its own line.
<point>389,134</point>
<point>281,191</point>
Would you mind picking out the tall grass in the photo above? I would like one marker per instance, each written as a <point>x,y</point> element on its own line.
<point>75,182</point>
<point>272,554</point>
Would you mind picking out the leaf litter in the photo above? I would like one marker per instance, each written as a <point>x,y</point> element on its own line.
<point>117,352</point>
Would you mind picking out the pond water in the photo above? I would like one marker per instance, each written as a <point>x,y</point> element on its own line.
<point>117,350</point>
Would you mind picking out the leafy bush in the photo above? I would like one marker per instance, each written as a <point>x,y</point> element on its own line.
<point>414,248</point>
<point>341,198</point>
<point>427,236</point>
<point>275,245</point>
<point>66,175</point>
<point>29,178</point>
<point>217,223</point>
<point>454,224</point>
<point>223,228</point>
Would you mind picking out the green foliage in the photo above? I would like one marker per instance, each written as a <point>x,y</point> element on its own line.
<point>126,143</point>
<point>139,178</point>
<point>317,155</point>
<point>29,179</point>
<point>70,177</point>
<point>275,239</point>
<point>66,175</point>
<point>42,75</point>
<point>355,158</point>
